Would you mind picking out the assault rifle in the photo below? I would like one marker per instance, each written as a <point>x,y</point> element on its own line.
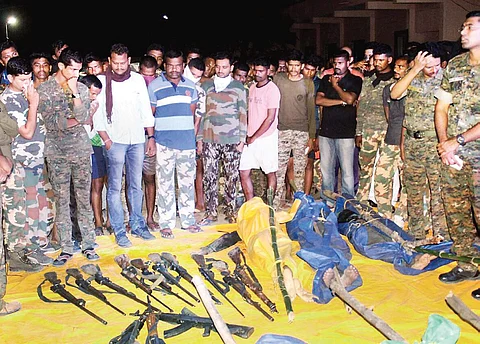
<point>209,276</point>
<point>160,265</point>
<point>129,335</point>
<point>173,264</point>
<point>58,288</point>
<point>96,274</point>
<point>129,272</point>
<point>187,320</point>
<point>239,287</point>
<point>245,274</point>
<point>140,264</point>
<point>86,287</point>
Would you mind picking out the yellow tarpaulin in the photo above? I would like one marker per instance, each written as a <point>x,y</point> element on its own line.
<point>404,302</point>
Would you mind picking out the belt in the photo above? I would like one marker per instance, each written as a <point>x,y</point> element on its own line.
<point>420,134</point>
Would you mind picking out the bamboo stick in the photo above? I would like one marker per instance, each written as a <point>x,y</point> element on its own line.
<point>278,260</point>
<point>462,310</point>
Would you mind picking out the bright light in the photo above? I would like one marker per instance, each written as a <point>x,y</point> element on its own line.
<point>11,20</point>
<point>165,17</point>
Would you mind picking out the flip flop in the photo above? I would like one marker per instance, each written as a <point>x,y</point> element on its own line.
<point>207,221</point>
<point>166,233</point>
<point>193,229</point>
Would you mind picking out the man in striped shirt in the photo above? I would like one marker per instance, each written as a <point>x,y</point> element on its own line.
<point>174,100</point>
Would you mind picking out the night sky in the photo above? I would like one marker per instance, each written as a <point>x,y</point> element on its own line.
<point>95,27</point>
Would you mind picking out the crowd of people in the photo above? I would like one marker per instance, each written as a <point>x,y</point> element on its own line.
<point>162,131</point>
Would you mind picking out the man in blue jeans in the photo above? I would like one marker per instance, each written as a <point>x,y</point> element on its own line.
<point>337,95</point>
<point>123,115</point>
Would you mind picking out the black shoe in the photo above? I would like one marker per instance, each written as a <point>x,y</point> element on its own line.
<point>476,294</point>
<point>458,275</point>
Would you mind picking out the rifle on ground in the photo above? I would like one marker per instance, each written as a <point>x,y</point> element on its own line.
<point>160,266</point>
<point>209,276</point>
<point>85,286</point>
<point>238,286</point>
<point>132,331</point>
<point>187,320</point>
<point>173,264</point>
<point>129,272</point>
<point>245,274</point>
<point>140,264</point>
<point>96,274</point>
<point>58,288</point>
<point>152,336</point>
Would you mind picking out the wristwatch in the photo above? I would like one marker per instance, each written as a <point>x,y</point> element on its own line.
<point>461,140</point>
<point>151,137</point>
<point>75,95</point>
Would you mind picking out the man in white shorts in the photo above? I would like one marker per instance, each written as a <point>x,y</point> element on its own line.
<point>261,150</point>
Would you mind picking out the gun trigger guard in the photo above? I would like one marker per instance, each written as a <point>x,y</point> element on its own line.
<point>206,331</point>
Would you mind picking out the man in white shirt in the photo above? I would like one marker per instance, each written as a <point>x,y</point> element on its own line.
<point>123,116</point>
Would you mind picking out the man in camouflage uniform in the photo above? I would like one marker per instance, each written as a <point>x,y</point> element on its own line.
<point>174,108</point>
<point>390,160</point>
<point>371,122</point>
<point>5,168</point>
<point>221,136</point>
<point>25,200</point>
<point>422,163</point>
<point>64,105</point>
<point>458,129</point>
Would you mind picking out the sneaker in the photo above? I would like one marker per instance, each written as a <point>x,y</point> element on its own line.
<point>62,259</point>
<point>17,261</point>
<point>123,241</point>
<point>50,247</point>
<point>38,257</point>
<point>143,233</point>
<point>90,254</point>
<point>10,307</point>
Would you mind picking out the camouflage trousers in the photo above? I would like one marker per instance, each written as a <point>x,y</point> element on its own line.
<point>290,140</point>
<point>259,182</point>
<point>180,166</point>
<point>63,171</point>
<point>372,143</point>
<point>422,179</point>
<point>388,163</point>
<point>26,208</point>
<point>461,194</point>
<point>3,267</point>
<point>228,154</point>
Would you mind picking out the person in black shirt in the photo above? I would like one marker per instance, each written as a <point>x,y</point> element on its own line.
<point>338,94</point>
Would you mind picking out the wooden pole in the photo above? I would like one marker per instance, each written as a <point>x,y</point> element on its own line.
<point>217,319</point>
<point>462,310</point>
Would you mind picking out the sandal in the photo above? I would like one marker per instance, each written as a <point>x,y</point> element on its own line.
<point>90,254</point>
<point>193,229</point>
<point>62,259</point>
<point>166,233</point>
<point>153,226</point>
<point>207,221</point>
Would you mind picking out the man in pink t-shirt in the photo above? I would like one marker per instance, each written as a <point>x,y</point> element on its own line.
<point>261,150</point>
